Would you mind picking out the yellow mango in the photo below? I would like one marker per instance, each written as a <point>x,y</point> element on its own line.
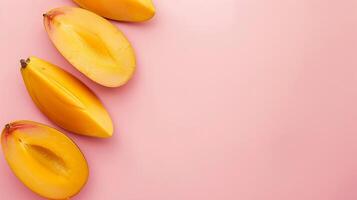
<point>122,10</point>
<point>64,99</point>
<point>44,159</point>
<point>91,44</point>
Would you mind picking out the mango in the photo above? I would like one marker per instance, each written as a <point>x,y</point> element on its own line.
<point>44,159</point>
<point>64,99</point>
<point>122,10</point>
<point>91,44</point>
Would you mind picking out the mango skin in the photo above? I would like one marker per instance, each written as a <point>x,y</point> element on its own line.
<point>121,10</point>
<point>65,100</point>
<point>91,44</point>
<point>44,159</point>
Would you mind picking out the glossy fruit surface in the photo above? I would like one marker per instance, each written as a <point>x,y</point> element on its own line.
<point>44,159</point>
<point>91,44</point>
<point>65,100</point>
<point>122,10</point>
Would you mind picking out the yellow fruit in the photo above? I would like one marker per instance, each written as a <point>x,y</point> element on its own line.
<point>44,159</point>
<point>123,10</point>
<point>64,99</point>
<point>91,44</point>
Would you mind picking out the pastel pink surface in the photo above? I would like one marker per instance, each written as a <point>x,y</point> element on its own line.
<point>232,99</point>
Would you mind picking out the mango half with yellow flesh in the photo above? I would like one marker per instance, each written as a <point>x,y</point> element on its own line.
<point>91,44</point>
<point>44,159</point>
<point>64,99</point>
<point>122,10</point>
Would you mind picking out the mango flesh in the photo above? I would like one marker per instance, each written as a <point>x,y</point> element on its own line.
<point>122,10</point>
<point>91,44</point>
<point>65,100</point>
<point>44,159</point>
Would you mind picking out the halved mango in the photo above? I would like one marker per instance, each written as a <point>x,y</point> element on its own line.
<point>122,10</point>
<point>91,44</point>
<point>44,159</point>
<point>65,100</point>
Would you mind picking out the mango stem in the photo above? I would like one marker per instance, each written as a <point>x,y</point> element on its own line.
<point>7,126</point>
<point>24,62</point>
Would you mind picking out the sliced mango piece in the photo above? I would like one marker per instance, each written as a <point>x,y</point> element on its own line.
<point>44,159</point>
<point>91,44</point>
<point>122,10</point>
<point>65,100</point>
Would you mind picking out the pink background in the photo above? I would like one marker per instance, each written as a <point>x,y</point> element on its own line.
<point>232,99</point>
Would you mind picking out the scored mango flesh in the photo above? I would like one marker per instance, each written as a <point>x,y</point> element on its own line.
<point>44,159</point>
<point>91,44</point>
